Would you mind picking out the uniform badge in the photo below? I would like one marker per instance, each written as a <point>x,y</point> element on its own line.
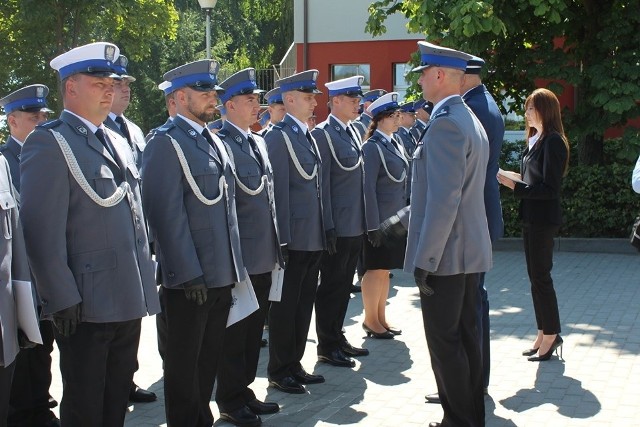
<point>336,127</point>
<point>238,139</point>
<point>81,130</point>
<point>295,128</point>
<point>252,74</point>
<point>124,61</point>
<point>213,68</point>
<point>394,97</point>
<point>192,132</point>
<point>109,53</point>
<point>315,75</point>
<point>40,92</point>
<point>442,112</point>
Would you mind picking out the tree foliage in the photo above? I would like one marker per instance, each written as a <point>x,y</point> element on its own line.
<point>156,36</point>
<point>590,44</point>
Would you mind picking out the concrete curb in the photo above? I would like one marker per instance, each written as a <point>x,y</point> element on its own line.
<point>574,244</point>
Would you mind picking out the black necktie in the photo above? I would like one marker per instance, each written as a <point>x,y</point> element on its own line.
<point>352,135</point>
<point>254,148</point>
<point>106,143</point>
<point>207,136</point>
<point>313,148</point>
<point>125,130</point>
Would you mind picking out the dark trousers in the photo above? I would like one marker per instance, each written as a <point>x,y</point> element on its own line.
<point>161,327</point>
<point>449,317</point>
<point>538,251</point>
<point>97,364</point>
<point>6,375</point>
<point>332,298</point>
<point>32,378</point>
<point>484,327</point>
<point>195,334</point>
<point>289,318</point>
<point>239,361</point>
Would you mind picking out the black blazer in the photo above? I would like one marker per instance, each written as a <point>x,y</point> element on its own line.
<point>542,168</point>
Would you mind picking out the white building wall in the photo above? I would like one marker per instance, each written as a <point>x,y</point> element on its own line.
<point>343,20</point>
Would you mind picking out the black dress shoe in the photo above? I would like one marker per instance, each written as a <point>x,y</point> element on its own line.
<point>288,385</point>
<point>337,358</point>
<point>264,342</point>
<point>433,398</point>
<point>303,377</point>
<point>386,335</point>
<point>352,351</point>
<point>241,417</point>
<point>261,408</point>
<point>140,395</point>
<point>393,330</point>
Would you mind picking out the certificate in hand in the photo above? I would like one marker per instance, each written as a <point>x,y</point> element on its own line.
<point>514,176</point>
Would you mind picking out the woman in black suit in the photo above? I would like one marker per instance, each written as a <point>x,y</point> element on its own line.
<point>544,163</point>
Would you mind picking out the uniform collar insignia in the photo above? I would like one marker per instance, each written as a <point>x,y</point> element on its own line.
<point>336,127</point>
<point>442,112</point>
<point>192,132</point>
<point>81,130</point>
<point>238,139</point>
<point>295,128</point>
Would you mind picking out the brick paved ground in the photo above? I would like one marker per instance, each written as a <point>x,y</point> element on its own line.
<point>597,384</point>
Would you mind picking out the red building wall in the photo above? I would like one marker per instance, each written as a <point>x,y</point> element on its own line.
<point>381,55</point>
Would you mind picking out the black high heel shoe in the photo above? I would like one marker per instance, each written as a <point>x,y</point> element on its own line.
<point>386,335</point>
<point>394,331</point>
<point>530,352</point>
<point>557,344</point>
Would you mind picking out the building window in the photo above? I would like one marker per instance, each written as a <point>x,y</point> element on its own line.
<point>400,83</point>
<point>343,71</point>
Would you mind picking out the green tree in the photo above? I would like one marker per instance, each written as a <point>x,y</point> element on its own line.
<point>590,44</point>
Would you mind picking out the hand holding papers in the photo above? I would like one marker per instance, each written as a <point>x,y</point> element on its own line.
<point>510,176</point>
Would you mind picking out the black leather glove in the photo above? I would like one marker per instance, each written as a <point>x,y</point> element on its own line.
<point>392,228</point>
<point>196,290</point>
<point>420,277</point>
<point>375,238</point>
<point>23,341</point>
<point>67,320</point>
<point>285,255</point>
<point>332,240</point>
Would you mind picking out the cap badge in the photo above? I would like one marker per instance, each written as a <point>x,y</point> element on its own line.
<point>315,75</point>
<point>212,67</point>
<point>40,92</point>
<point>252,74</point>
<point>109,53</point>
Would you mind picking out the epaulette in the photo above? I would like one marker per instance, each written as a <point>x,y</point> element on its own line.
<point>444,111</point>
<point>279,125</point>
<point>222,133</point>
<point>50,124</point>
<point>162,130</point>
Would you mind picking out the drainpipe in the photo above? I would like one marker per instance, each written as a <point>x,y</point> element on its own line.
<point>305,36</point>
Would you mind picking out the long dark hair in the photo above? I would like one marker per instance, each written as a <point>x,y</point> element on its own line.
<point>373,126</point>
<point>547,107</point>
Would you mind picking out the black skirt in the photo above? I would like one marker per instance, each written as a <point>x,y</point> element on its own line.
<point>386,257</point>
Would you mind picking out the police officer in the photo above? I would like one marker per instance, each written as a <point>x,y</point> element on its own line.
<point>448,241</point>
<point>423,112</point>
<point>297,179</point>
<point>13,268</point>
<point>407,120</point>
<point>30,398</point>
<point>117,122</point>
<point>362,123</point>
<point>342,187</point>
<point>275,109</point>
<point>88,249</point>
<point>188,195</point>
<point>257,222</point>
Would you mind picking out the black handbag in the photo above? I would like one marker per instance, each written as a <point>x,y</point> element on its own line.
<point>635,233</point>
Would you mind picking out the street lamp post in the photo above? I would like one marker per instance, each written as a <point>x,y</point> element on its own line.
<point>207,6</point>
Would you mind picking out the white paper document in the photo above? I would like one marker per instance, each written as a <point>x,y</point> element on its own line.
<point>243,301</point>
<point>277,276</point>
<point>514,176</point>
<point>26,310</point>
